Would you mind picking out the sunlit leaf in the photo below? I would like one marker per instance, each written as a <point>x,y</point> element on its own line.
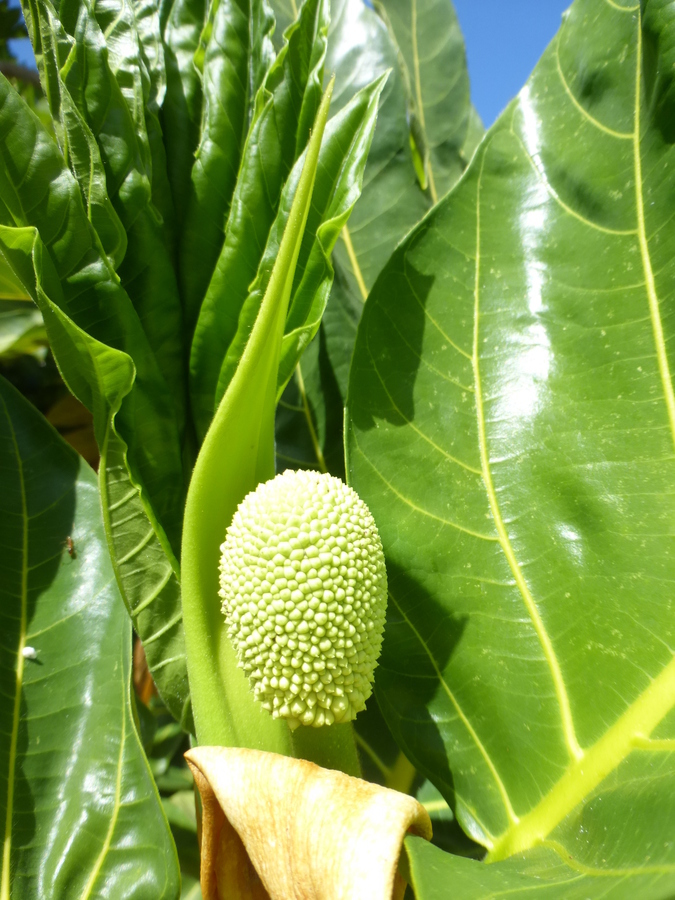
<point>511,426</point>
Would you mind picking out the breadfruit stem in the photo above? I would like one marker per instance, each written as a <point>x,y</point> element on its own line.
<point>333,747</point>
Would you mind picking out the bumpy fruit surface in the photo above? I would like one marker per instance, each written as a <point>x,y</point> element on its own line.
<point>304,590</point>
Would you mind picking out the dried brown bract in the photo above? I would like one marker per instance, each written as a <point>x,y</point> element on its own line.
<point>286,829</point>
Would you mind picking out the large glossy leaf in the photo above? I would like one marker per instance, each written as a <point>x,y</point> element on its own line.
<point>106,361</point>
<point>512,426</point>
<point>80,813</point>
<point>285,110</point>
<point>234,55</point>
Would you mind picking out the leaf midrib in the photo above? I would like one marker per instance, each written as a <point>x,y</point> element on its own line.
<point>627,733</point>
<point>569,732</point>
<point>654,311</point>
<point>7,844</point>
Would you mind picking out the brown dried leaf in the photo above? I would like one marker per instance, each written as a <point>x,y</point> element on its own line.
<point>276,828</point>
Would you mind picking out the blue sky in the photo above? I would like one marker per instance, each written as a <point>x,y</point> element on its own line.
<point>504,40</point>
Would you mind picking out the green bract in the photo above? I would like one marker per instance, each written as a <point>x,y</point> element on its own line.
<point>304,590</point>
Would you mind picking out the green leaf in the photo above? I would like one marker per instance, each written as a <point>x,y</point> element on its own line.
<point>148,25</point>
<point>234,55</point>
<point>53,47</point>
<point>135,57</point>
<point>97,93</point>
<point>79,811</point>
<point>360,47</point>
<point>144,563</point>
<point>434,70</point>
<point>306,428</point>
<point>448,834</point>
<point>182,108</point>
<point>149,576</point>
<point>152,57</point>
<point>109,82</point>
<point>542,874</point>
<point>309,420</point>
<point>512,426</point>
<point>237,454</point>
<point>10,287</point>
<point>39,191</point>
<point>285,108</point>
<point>342,158</point>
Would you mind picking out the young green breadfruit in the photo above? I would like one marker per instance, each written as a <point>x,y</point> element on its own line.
<point>304,590</point>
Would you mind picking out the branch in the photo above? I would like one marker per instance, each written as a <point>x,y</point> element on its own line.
<point>23,73</point>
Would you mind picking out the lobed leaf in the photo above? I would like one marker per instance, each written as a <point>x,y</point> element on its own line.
<point>360,49</point>
<point>112,88</point>
<point>342,158</point>
<point>53,48</point>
